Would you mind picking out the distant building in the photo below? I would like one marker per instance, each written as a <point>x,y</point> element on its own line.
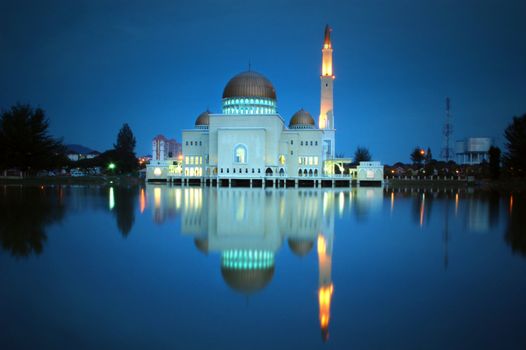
<point>165,149</point>
<point>77,154</point>
<point>473,150</point>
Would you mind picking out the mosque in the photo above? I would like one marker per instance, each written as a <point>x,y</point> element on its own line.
<point>250,142</point>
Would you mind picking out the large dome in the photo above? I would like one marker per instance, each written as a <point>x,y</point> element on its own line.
<point>249,93</point>
<point>247,281</point>
<point>249,84</point>
<point>247,271</point>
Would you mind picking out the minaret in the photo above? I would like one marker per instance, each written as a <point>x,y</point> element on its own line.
<point>326,120</point>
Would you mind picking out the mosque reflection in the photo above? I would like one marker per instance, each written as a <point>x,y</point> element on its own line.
<point>248,226</point>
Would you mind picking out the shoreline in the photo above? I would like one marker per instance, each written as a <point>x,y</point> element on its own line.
<point>503,185</point>
<point>69,180</point>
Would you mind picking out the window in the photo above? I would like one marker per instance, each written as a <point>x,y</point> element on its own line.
<point>311,143</point>
<point>252,170</point>
<point>191,143</point>
<point>240,154</point>
<point>259,171</point>
<point>316,143</point>
<point>234,170</point>
<point>221,170</point>
<point>315,160</point>
<point>246,171</point>
<point>227,170</point>
<point>291,153</point>
<point>311,161</point>
<point>291,142</point>
<point>299,160</point>
<point>187,143</point>
<point>200,143</point>
<point>301,143</point>
<point>281,159</point>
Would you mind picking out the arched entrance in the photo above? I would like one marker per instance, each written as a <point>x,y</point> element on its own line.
<point>281,172</point>
<point>268,172</point>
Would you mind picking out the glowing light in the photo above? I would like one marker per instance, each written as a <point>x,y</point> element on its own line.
<point>422,207</point>
<point>157,171</point>
<point>111,201</point>
<point>422,152</point>
<point>157,197</point>
<point>142,201</point>
<point>341,203</point>
<point>511,203</point>
<point>392,201</point>
<point>177,198</point>
<point>322,245</point>
<point>324,299</point>
<point>112,166</point>
<point>322,122</point>
<point>456,203</point>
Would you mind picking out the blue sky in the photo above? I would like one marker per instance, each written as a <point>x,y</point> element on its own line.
<point>94,65</point>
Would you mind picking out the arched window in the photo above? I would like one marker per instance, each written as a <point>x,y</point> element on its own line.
<point>240,154</point>
<point>315,172</point>
<point>310,172</point>
<point>299,172</point>
<point>305,172</point>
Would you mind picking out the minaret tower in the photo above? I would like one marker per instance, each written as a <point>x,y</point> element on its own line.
<point>326,119</point>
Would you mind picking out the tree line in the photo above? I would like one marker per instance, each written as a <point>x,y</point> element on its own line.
<point>27,146</point>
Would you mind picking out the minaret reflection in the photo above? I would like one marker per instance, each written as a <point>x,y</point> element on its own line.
<point>326,286</point>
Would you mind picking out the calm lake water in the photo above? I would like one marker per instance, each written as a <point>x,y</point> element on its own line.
<point>161,267</point>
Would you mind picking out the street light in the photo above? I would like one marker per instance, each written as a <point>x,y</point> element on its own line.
<point>111,166</point>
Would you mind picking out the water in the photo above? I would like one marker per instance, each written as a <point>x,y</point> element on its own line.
<point>193,268</point>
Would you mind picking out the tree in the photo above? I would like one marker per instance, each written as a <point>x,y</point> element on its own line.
<point>494,162</point>
<point>25,142</point>
<point>125,140</point>
<point>515,134</point>
<point>417,156</point>
<point>362,155</point>
<point>124,154</point>
<point>429,156</point>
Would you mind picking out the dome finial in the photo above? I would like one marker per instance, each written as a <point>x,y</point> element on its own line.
<point>249,65</point>
<point>327,41</point>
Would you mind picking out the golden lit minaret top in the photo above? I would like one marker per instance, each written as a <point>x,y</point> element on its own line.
<point>326,120</point>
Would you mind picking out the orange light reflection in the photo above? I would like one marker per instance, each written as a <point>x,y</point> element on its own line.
<point>142,201</point>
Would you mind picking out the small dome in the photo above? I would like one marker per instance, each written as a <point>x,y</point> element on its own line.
<point>202,245</point>
<point>247,281</point>
<point>300,247</point>
<point>249,84</point>
<point>301,120</point>
<point>203,119</point>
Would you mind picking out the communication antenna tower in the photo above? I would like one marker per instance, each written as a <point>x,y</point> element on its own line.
<point>447,151</point>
